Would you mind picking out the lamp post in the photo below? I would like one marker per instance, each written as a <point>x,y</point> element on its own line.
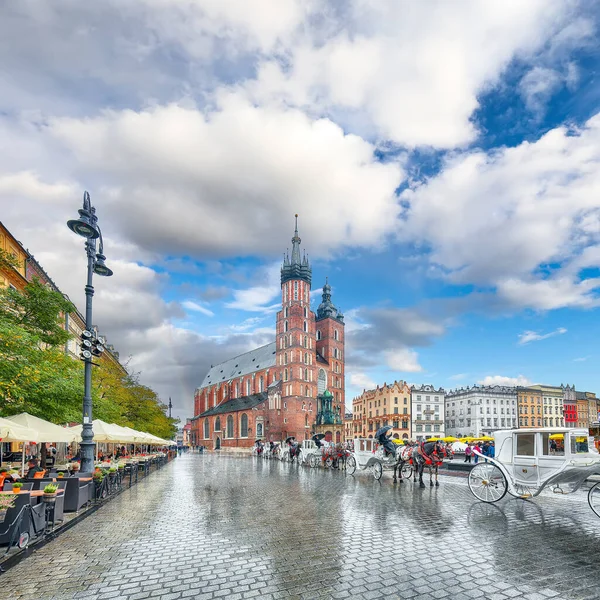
<point>87,227</point>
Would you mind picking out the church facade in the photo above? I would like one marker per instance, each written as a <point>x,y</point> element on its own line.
<point>293,386</point>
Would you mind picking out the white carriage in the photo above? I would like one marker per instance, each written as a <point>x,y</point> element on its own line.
<point>529,460</point>
<point>370,455</point>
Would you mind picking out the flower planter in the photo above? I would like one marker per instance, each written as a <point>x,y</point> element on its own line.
<point>16,490</point>
<point>49,498</point>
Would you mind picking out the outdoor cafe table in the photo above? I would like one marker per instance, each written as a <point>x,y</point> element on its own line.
<point>33,493</point>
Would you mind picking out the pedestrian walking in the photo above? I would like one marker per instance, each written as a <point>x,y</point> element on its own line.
<point>468,451</point>
<point>476,456</point>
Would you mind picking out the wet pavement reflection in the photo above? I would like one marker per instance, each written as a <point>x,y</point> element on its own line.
<point>210,526</point>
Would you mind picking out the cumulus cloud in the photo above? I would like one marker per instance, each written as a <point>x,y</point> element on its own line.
<point>361,381</point>
<point>532,336</point>
<point>382,68</point>
<point>503,380</point>
<point>494,219</point>
<point>403,360</point>
<point>174,176</point>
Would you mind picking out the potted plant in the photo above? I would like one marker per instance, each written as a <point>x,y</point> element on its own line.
<point>60,475</point>
<point>16,487</point>
<point>50,493</point>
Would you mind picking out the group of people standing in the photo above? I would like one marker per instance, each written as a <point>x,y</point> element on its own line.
<point>485,448</point>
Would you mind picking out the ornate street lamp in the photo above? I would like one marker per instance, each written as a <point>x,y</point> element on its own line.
<point>87,226</point>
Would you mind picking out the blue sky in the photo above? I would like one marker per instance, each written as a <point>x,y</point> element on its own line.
<point>443,158</point>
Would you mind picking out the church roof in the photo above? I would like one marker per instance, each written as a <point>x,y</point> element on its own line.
<point>259,358</point>
<point>235,404</point>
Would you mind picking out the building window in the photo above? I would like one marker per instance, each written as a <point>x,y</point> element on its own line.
<point>261,384</point>
<point>305,342</point>
<point>259,429</point>
<point>285,326</point>
<point>295,290</point>
<point>305,374</point>
<point>335,334</point>
<point>206,429</point>
<point>322,382</point>
<point>244,426</point>
<point>305,326</point>
<point>229,432</point>
<point>285,312</point>
<point>285,375</point>
<point>318,334</point>
<point>305,312</point>
<point>248,389</point>
<point>218,424</point>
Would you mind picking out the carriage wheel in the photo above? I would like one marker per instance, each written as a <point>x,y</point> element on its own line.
<point>487,482</point>
<point>594,498</point>
<point>314,461</point>
<point>350,465</point>
<point>406,471</point>
<point>329,462</point>
<point>377,470</point>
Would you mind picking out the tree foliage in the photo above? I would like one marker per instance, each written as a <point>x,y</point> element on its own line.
<point>37,376</point>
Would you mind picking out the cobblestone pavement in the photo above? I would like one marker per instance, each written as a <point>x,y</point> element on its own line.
<point>208,527</point>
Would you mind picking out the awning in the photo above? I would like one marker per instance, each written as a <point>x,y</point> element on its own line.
<point>46,431</point>
<point>13,432</point>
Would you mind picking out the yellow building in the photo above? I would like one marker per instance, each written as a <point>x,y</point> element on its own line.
<point>530,407</point>
<point>386,405</point>
<point>14,276</point>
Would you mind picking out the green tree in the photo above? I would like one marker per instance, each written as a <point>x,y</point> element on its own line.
<point>39,310</point>
<point>37,378</point>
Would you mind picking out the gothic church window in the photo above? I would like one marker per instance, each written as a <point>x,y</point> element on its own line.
<point>206,429</point>
<point>305,326</point>
<point>295,290</point>
<point>305,312</point>
<point>285,312</point>
<point>286,326</point>
<point>322,382</point>
<point>244,426</point>
<point>318,334</point>
<point>218,424</point>
<point>229,426</point>
<point>335,334</point>
<point>261,384</point>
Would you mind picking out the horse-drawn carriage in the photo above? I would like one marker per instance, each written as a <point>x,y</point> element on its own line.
<point>527,461</point>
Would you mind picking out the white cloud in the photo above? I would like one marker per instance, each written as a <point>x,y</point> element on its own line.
<point>581,359</point>
<point>494,219</point>
<point>403,360</point>
<point>174,176</point>
<point>361,381</point>
<point>503,380</point>
<point>194,306</point>
<point>383,67</point>
<point>532,336</point>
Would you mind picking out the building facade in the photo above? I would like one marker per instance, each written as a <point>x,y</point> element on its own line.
<point>428,412</point>
<point>552,401</point>
<point>530,407</point>
<point>383,406</point>
<point>569,405</point>
<point>480,410</point>
<point>293,386</point>
<point>13,275</point>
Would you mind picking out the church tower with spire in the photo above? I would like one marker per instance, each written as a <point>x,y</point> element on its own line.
<point>296,343</point>
<point>329,326</point>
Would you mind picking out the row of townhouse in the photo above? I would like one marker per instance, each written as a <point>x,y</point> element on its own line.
<point>413,412</point>
<point>424,411</point>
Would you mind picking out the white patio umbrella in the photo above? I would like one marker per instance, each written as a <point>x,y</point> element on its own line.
<point>46,431</point>
<point>13,432</point>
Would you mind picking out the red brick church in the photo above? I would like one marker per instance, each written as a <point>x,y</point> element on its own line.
<point>293,386</point>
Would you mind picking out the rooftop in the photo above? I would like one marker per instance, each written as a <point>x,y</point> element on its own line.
<point>259,358</point>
